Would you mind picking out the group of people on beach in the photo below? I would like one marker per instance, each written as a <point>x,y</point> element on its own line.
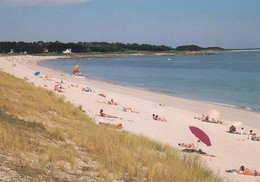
<point>58,88</point>
<point>208,119</point>
<point>251,134</point>
<point>190,147</point>
<point>245,171</point>
<point>126,109</point>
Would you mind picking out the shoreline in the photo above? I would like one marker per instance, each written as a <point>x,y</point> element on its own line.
<point>122,54</point>
<point>179,112</point>
<point>143,88</point>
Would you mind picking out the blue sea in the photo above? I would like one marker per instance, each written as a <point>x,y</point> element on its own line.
<point>229,78</point>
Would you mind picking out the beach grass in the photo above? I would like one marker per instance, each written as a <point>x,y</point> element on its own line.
<point>51,138</point>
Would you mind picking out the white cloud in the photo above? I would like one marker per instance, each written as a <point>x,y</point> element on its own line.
<point>42,2</point>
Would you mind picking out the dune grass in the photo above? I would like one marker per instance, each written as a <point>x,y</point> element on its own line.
<point>49,133</point>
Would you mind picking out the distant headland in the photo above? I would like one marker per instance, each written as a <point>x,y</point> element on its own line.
<point>94,48</point>
<point>106,49</point>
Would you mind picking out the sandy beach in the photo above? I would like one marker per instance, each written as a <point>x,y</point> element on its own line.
<point>231,150</point>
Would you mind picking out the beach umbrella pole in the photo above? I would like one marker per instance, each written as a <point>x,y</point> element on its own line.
<point>197,144</point>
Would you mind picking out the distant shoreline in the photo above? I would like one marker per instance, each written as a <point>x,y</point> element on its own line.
<point>123,54</point>
<point>244,50</point>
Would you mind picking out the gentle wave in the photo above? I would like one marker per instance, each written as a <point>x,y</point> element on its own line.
<point>222,104</point>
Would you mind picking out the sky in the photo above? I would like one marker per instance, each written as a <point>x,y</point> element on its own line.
<point>223,23</point>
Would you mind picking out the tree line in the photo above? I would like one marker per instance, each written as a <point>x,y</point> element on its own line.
<point>86,47</point>
<point>196,48</point>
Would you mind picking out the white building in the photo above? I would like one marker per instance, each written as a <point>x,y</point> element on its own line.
<point>67,51</point>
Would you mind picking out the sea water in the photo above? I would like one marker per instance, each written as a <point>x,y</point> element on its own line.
<point>229,78</point>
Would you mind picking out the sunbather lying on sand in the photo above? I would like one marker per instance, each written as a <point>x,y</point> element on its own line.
<point>244,171</point>
<point>187,146</point>
<point>117,126</point>
<point>157,118</point>
<point>101,112</point>
<point>207,119</point>
<point>254,137</point>
<point>87,89</point>
<point>204,153</point>
<point>202,118</point>
<point>102,95</point>
<point>129,109</point>
<point>217,121</point>
<point>72,85</point>
<point>193,149</point>
<point>232,129</point>
<point>112,102</point>
<point>58,88</point>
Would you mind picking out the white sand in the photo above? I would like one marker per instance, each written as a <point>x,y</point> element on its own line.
<point>232,150</point>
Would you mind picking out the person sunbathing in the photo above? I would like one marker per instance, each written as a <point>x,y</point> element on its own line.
<point>129,109</point>
<point>187,146</point>
<point>250,134</point>
<point>112,102</point>
<point>217,121</point>
<point>254,137</point>
<point>102,114</point>
<point>207,119</point>
<point>232,129</point>
<point>102,95</point>
<point>87,89</point>
<point>72,85</point>
<point>157,118</point>
<point>245,171</point>
<point>56,87</point>
<point>117,126</point>
<point>193,149</point>
<point>202,118</point>
<point>204,153</point>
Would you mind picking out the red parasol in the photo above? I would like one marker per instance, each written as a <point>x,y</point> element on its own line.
<point>201,135</point>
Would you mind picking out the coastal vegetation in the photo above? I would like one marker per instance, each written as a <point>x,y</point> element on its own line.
<point>196,48</point>
<point>45,138</point>
<point>41,47</point>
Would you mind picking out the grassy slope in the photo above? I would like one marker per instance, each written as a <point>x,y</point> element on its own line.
<point>43,137</point>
